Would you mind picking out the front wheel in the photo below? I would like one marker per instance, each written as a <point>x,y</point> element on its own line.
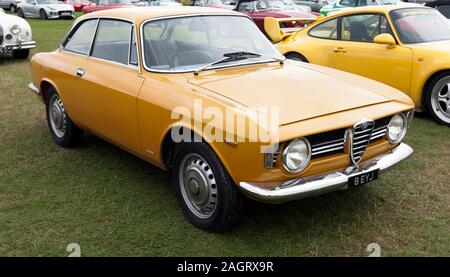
<point>438,99</point>
<point>64,132</point>
<point>20,13</point>
<point>43,14</point>
<point>207,195</point>
<point>21,54</point>
<point>12,9</point>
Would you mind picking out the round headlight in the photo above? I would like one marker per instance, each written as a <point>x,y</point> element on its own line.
<point>15,30</point>
<point>396,130</point>
<point>296,155</point>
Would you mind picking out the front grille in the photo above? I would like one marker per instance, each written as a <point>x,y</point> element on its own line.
<point>380,129</point>
<point>327,143</point>
<point>362,133</point>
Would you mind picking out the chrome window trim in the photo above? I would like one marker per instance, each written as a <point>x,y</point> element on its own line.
<point>133,25</point>
<point>142,52</point>
<point>74,29</point>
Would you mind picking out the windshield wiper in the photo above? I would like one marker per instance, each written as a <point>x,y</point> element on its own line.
<point>236,56</point>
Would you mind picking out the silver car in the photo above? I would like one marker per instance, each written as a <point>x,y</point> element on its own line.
<point>9,5</point>
<point>45,9</point>
<point>15,36</point>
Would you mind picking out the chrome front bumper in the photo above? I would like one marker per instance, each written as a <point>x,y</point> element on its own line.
<point>320,184</point>
<point>9,48</point>
<point>33,89</point>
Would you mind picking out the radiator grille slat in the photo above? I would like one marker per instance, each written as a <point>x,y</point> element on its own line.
<point>362,134</point>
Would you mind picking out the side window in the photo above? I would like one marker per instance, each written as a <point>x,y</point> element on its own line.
<point>326,30</point>
<point>81,39</point>
<point>133,49</point>
<point>245,6</point>
<point>445,10</point>
<point>348,3</point>
<point>364,27</point>
<point>112,41</point>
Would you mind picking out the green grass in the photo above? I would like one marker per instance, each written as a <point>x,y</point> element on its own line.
<point>112,203</point>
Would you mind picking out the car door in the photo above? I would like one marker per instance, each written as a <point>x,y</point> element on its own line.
<point>109,83</point>
<point>356,52</point>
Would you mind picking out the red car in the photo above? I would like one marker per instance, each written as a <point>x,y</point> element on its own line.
<point>213,4</point>
<point>79,5</point>
<point>258,9</point>
<point>107,4</point>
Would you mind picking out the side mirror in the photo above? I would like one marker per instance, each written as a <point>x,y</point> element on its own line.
<point>386,39</point>
<point>273,30</point>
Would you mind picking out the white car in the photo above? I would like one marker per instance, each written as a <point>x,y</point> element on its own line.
<point>10,5</point>
<point>45,9</point>
<point>15,36</point>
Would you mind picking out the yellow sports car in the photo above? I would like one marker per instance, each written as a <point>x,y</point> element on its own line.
<point>186,90</point>
<point>406,47</point>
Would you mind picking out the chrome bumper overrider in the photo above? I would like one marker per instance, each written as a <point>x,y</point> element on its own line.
<point>319,184</point>
<point>8,48</point>
<point>33,89</point>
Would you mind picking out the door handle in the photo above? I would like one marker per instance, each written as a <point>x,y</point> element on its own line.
<point>339,50</point>
<point>80,72</point>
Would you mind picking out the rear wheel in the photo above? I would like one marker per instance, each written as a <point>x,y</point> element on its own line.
<point>62,129</point>
<point>21,54</point>
<point>43,14</point>
<point>207,195</point>
<point>296,57</point>
<point>20,13</point>
<point>12,8</point>
<point>438,98</point>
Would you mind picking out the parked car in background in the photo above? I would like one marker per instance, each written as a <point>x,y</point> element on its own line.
<point>412,54</point>
<point>45,9</point>
<point>10,5</point>
<point>259,9</point>
<point>107,5</point>
<point>315,5</point>
<point>15,36</point>
<point>336,130</point>
<point>443,6</point>
<point>163,3</point>
<point>79,5</point>
<point>212,4</point>
<point>348,4</point>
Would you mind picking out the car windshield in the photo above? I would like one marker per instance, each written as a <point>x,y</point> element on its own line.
<point>275,5</point>
<point>189,43</point>
<point>419,25</point>
<point>44,2</point>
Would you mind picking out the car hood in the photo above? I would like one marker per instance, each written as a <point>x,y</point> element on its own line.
<point>59,7</point>
<point>440,46</point>
<point>9,20</point>
<point>299,91</point>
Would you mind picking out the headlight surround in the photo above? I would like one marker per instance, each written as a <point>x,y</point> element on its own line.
<point>296,155</point>
<point>15,30</point>
<point>397,127</point>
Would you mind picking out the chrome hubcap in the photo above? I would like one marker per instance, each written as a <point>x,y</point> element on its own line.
<point>198,185</point>
<point>440,99</point>
<point>58,117</point>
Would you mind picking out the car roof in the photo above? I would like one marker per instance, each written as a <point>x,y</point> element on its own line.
<point>140,14</point>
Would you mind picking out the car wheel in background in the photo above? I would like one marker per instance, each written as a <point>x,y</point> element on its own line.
<point>43,14</point>
<point>207,195</point>
<point>296,57</point>
<point>438,98</point>
<point>63,130</point>
<point>12,8</point>
<point>20,13</point>
<point>21,54</point>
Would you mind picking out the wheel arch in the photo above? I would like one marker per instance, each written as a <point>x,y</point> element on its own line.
<point>425,88</point>
<point>45,85</point>
<point>296,53</point>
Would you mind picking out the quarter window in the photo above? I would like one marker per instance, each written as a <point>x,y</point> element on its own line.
<point>81,39</point>
<point>364,27</point>
<point>112,41</point>
<point>326,30</point>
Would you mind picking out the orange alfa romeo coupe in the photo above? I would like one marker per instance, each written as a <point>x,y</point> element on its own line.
<point>142,78</point>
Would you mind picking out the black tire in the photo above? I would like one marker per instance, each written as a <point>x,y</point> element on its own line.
<point>72,134</point>
<point>229,200</point>
<point>296,57</point>
<point>12,8</point>
<point>436,113</point>
<point>20,13</point>
<point>43,14</point>
<point>21,54</point>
